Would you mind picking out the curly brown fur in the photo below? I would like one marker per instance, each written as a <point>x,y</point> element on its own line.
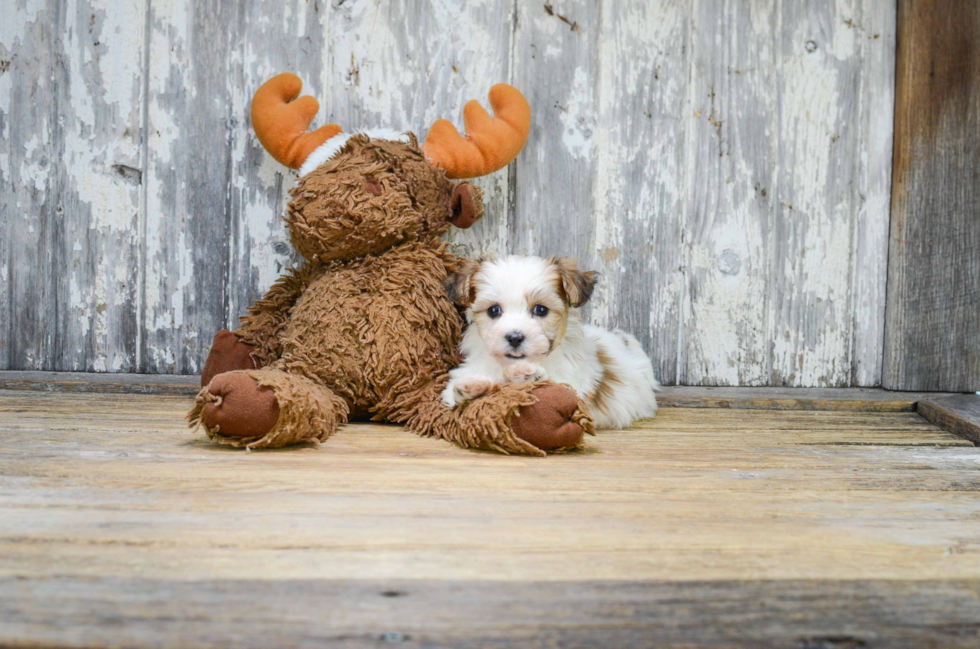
<point>307,412</point>
<point>334,204</point>
<point>268,316</point>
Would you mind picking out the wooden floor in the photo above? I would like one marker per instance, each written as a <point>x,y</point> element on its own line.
<point>118,526</point>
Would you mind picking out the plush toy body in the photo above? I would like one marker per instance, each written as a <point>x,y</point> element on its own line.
<point>365,327</point>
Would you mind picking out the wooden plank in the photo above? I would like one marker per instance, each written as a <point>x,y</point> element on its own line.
<point>829,197</point>
<point>781,151</point>
<point>7,198</point>
<point>959,415</point>
<point>797,613</point>
<point>108,488</point>
<point>876,38</point>
<point>639,174</point>
<point>643,114</point>
<point>29,186</point>
<point>854,399</point>
<point>191,117</point>
<point>932,337</point>
<point>186,385</point>
<point>731,161</point>
<point>119,527</point>
<point>100,113</point>
<point>555,64</point>
<point>70,110</point>
<point>460,68</point>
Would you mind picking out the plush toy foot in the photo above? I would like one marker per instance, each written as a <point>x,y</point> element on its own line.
<point>241,407</point>
<point>555,421</point>
<point>228,353</point>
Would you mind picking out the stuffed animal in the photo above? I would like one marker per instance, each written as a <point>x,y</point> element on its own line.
<point>364,327</point>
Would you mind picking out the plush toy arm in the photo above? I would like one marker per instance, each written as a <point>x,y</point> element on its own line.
<point>263,325</point>
<point>521,418</point>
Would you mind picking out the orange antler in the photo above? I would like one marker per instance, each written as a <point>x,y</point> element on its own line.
<point>491,143</point>
<point>280,123</point>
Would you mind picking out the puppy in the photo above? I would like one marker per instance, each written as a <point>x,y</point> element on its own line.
<point>524,325</point>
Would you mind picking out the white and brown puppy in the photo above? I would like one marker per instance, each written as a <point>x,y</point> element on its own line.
<point>524,325</point>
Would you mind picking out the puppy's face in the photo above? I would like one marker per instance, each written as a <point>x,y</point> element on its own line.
<point>520,305</point>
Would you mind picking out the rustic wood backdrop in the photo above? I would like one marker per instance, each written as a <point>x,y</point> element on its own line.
<point>932,328</point>
<point>725,164</point>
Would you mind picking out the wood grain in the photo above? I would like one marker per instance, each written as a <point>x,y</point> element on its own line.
<point>781,132</point>
<point>194,118</point>
<point>103,488</point>
<point>724,165</point>
<point>856,399</point>
<point>554,52</point>
<point>731,162</point>
<point>118,526</point>
<point>70,108</point>
<point>830,190</point>
<point>815,399</point>
<point>640,168</point>
<point>959,415</point>
<point>932,335</point>
<point>175,384</point>
<point>433,613</point>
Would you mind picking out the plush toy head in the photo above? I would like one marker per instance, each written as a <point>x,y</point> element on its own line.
<point>361,194</point>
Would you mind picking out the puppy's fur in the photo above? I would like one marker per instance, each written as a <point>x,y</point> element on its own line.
<point>524,325</point>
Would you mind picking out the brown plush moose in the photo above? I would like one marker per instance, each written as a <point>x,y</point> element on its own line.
<point>364,327</point>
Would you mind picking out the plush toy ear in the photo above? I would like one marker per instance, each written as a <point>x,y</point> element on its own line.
<point>577,285</point>
<point>467,205</point>
<point>460,286</point>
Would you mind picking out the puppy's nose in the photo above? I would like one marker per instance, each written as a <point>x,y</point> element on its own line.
<point>515,338</point>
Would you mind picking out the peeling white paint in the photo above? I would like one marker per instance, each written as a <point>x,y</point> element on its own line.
<point>576,116</point>
<point>13,28</point>
<point>34,169</point>
<point>166,259</point>
<point>657,127</point>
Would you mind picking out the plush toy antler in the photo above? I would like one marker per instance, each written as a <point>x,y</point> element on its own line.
<point>280,123</point>
<point>491,143</point>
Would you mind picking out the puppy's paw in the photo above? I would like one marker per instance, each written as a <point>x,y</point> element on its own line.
<point>470,388</point>
<point>523,372</point>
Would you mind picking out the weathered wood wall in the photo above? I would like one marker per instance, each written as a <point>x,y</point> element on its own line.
<point>724,164</point>
<point>932,334</point>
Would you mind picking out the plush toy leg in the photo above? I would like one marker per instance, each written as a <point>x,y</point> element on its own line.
<point>266,408</point>
<point>228,353</point>
<point>527,418</point>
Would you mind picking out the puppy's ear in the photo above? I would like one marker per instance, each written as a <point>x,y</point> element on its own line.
<point>577,285</point>
<point>460,286</point>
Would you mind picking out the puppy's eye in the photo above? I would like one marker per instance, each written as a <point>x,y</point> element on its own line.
<point>494,311</point>
<point>540,310</point>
